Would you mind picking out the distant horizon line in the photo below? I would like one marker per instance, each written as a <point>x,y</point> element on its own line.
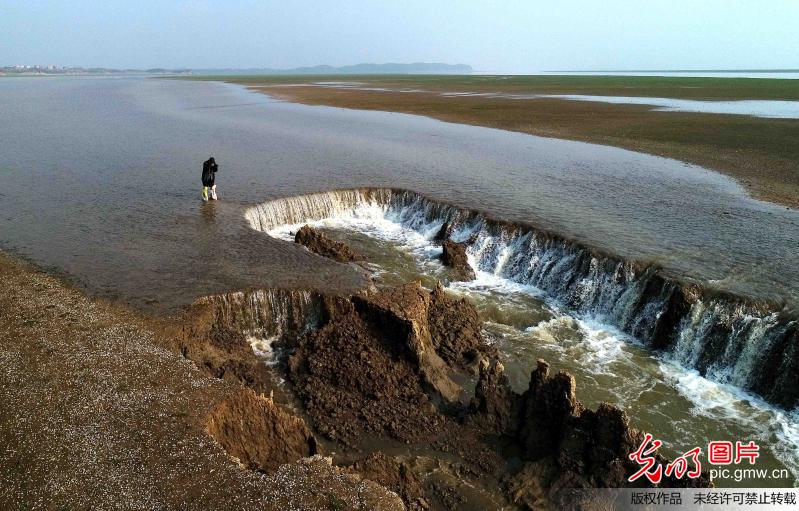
<point>404,64</point>
<point>406,69</point>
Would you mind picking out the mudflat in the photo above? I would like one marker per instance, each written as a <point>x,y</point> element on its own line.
<point>761,153</point>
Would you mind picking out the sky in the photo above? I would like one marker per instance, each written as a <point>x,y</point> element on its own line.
<point>492,36</point>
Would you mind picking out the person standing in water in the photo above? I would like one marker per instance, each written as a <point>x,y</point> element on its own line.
<point>209,178</point>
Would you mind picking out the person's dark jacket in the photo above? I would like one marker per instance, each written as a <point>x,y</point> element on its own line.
<point>209,172</point>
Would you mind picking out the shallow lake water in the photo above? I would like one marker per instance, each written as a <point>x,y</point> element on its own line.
<point>756,108</point>
<point>101,181</point>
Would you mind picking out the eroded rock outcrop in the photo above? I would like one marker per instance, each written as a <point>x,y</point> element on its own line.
<point>259,433</point>
<point>565,446</point>
<point>444,232</point>
<point>494,406</point>
<point>318,243</point>
<point>453,255</point>
<point>546,408</point>
<point>456,330</point>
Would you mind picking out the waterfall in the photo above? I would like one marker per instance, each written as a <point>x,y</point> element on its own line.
<point>316,206</point>
<point>267,313</point>
<point>727,338</point>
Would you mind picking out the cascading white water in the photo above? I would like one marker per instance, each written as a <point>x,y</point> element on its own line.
<point>302,208</point>
<point>267,313</point>
<point>728,339</point>
<point>739,344</point>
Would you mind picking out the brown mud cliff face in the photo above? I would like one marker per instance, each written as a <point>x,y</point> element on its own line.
<point>383,367</point>
<point>457,331</point>
<point>260,434</point>
<point>373,367</point>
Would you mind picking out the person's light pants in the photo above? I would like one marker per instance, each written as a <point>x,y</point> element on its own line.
<point>209,190</point>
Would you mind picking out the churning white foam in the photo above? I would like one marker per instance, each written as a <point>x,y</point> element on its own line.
<point>723,401</point>
<point>262,347</point>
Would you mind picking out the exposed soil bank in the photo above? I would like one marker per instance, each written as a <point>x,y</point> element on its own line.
<point>374,367</point>
<point>318,243</point>
<point>760,153</point>
<point>260,434</point>
<point>389,370</point>
<point>95,415</point>
<point>454,256</point>
<point>218,349</point>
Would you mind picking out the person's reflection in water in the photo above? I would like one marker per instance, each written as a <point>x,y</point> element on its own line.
<point>208,212</point>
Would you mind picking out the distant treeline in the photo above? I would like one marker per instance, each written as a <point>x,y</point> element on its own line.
<point>58,70</point>
<point>357,69</point>
<point>390,68</point>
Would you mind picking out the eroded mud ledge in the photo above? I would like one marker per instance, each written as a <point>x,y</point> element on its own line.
<point>383,378</point>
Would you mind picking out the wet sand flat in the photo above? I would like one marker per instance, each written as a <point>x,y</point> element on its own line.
<point>761,153</point>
